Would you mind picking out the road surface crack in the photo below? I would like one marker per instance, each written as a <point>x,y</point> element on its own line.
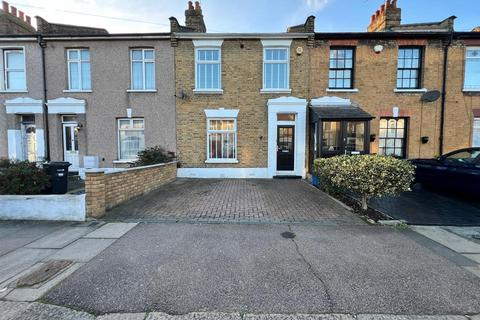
<point>314,272</point>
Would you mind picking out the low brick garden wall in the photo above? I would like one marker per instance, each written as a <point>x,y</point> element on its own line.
<point>106,190</point>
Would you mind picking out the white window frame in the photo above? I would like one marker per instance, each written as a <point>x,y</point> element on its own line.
<point>80,76</point>
<point>4,70</point>
<point>465,66</point>
<point>130,129</point>
<point>475,125</point>
<point>211,131</point>
<point>143,61</point>
<point>276,44</point>
<point>214,44</point>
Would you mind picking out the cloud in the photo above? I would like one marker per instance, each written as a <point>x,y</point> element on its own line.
<point>316,4</point>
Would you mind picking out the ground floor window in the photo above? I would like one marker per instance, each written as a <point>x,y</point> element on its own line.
<point>476,132</point>
<point>343,137</point>
<point>222,139</point>
<point>392,137</point>
<point>131,138</point>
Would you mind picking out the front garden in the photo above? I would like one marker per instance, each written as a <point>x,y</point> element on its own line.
<point>356,179</point>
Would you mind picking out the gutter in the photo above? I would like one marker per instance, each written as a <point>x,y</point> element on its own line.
<point>444,92</point>
<point>43,44</point>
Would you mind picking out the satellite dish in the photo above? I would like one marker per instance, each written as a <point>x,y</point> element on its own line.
<point>430,96</point>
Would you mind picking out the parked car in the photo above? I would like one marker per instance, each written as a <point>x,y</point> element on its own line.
<point>457,171</point>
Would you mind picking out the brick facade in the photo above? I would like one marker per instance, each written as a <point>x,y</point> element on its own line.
<point>107,190</point>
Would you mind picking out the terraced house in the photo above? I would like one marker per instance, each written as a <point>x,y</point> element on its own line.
<point>243,105</point>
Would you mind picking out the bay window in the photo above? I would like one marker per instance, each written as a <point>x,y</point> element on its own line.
<point>131,138</point>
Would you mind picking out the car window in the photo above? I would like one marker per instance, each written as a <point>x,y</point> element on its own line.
<point>465,156</point>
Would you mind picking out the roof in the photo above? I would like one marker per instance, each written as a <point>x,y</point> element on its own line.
<point>336,108</point>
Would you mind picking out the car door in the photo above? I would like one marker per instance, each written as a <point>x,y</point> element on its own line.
<point>462,173</point>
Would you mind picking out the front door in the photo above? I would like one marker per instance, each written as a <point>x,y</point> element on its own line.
<point>285,148</point>
<point>29,142</point>
<point>70,144</point>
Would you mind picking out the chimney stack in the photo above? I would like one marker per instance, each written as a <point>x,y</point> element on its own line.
<point>194,17</point>
<point>13,11</point>
<point>386,18</point>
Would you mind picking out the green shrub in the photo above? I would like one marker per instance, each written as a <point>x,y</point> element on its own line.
<point>153,155</point>
<point>22,177</point>
<point>368,176</point>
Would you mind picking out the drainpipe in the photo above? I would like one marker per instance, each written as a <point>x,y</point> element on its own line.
<point>444,91</point>
<point>43,44</point>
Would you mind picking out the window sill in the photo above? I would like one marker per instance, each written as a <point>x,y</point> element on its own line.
<point>13,91</point>
<point>221,161</point>
<point>342,90</point>
<point>124,161</point>
<point>471,90</point>
<point>423,90</point>
<point>275,90</point>
<point>138,90</point>
<point>204,91</point>
<point>77,91</point>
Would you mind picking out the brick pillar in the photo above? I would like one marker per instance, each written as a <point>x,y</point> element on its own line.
<point>95,193</point>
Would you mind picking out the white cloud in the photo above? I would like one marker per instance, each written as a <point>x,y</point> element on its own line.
<point>316,4</point>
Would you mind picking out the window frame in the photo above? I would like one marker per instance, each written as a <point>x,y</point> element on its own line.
<point>465,68</point>
<point>352,69</point>
<point>3,68</point>
<point>405,136</point>
<point>79,62</point>
<point>475,125</point>
<point>419,70</point>
<point>219,62</point>
<point>265,62</point>
<point>143,61</point>
<point>119,152</point>
<point>210,131</point>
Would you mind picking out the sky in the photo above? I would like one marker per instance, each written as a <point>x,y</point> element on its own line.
<point>123,16</point>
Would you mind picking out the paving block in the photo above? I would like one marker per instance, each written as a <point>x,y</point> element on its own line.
<point>123,316</point>
<point>298,317</point>
<point>402,317</point>
<point>474,257</point>
<point>60,238</point>
<point>474,270</point>
<point>195,316</point>
<point>448,239</point>
<point>40,311</point>
<point>33,294</point>
<point>10,310</point>
<point>111,230</point>
<point>19,260</point>
<point>82,250</point>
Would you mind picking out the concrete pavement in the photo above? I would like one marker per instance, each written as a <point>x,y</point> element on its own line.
<point>32,249</point>
<point>183,268</point>
<point>39,311</point>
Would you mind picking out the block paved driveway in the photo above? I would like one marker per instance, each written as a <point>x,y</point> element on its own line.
<point>236,200</point>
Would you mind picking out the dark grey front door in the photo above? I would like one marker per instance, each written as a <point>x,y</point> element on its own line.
<point>285,148</point>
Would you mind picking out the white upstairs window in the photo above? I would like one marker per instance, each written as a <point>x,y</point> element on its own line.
<point>208,66</point>
<point>13,76</point>
<point>472,69</point>
<point>79,74</point>
<point>142,69</point>
<point>276,65</point>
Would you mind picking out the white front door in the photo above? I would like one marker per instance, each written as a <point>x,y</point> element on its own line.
<point>29,142</point>
<point>70,144</point>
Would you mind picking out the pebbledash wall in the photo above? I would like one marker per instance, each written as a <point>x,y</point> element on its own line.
<point>105,190</point>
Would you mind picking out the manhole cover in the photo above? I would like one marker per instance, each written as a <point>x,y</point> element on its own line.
<point>288,235</point>
<point>45,272</point>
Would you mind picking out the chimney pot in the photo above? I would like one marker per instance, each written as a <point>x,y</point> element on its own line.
<point>21,14</point>
<point>372,18</point>
<point>13,11</point>
<point>28,20</point>
<point>394,3</point>
<point>5,6</point>
<point>377,13</point>
<point>197,6</point>
<point>382,8</point>
<point>190,5</point>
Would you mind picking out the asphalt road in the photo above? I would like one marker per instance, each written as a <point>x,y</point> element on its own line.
<point>181,268</point>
